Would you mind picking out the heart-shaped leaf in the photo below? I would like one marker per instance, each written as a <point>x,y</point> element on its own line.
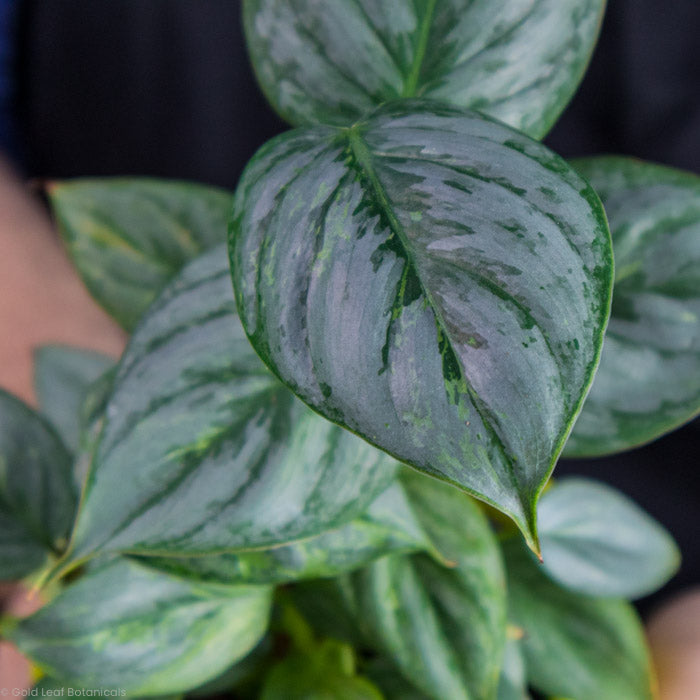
<point>575,646</point>
<point>126,626</point>
<point>389,525</point>
<point>596,541</point>
<point>648,382</point>
<point>442,625</point>
<point>435,282</point>
<point>62,377</point>
<point>517,60</point>
<point>37,498</point>
<point>203,450</point>
<point>129,236</point>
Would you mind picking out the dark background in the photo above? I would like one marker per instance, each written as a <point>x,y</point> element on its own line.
<point>164,88</point>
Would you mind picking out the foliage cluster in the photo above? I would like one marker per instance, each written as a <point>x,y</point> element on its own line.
<point>429,280</point>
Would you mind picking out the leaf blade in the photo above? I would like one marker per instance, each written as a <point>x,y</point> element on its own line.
<point>598,542</point>
<point>129,236</point>
<point>576,646</point>
<point>519,62</point>
<point>388,526</point>
<point>648,382</point>
<point>472,302</point>
<point>37,499</point>
<point>223,458</point>
<point>62,377</point>
<point>125,626</point>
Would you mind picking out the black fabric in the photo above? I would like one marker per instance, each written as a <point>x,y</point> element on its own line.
<point>164,88</point>
<point>129,87</point>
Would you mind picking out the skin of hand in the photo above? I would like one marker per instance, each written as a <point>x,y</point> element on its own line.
<point>42,300</point>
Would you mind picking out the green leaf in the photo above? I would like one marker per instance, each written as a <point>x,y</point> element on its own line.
<point>62,377</point>
<point>392,684</point>
<point>512,684</point>
<point>433,281</point>
<point>597,541</point>
<point>648,382</point>
<point>37,499</point>
<point>328,672</point>
<point>203,450</point>
<point>387,526</point>
<point>517,60</point>
<point>126,626</point>
<point>50,687</point>
<point>129,236</point>
<point>443,626</point>
<point>575,646</point>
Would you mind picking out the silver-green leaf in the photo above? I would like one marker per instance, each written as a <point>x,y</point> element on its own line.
<point>129,236</point>
<point>575,646</point>
<point>433,281</point>
<point>517,60</point>
<point>37,497</point>
<point>597,541</point>
<point>62,378</point>
<point>648,382</point>
<point>388,526</point>
<point>203,450</point>
<point>125,626</point>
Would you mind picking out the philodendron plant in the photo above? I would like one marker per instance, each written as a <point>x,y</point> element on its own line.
<point>333,482</point>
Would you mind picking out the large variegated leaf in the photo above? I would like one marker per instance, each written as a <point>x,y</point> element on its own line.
<point>62,378</point>
<point>203,450</point>
<point>575,646</point>
<point>128,627</point>
<point>649,377</point>
<point>332,61</point>
<point>597,541</point>
<point>388,526</point>
<point>129,236</point>
<point>435,282</point>
<point>37,498</point>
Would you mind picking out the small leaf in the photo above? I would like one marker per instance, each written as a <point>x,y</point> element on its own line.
<point>326,673</point>
<point>517,60</point>
<point>512,684</point>
<point>37,499</point>
<point>575,646</point>
<point>443,626</point>
<point>126,626</point>
<point>62,377</point>
<point>435,282</point>
<point>597,541</point>
<point>129,236</point>
<point>204,451</point>
<point>390,681</point>
<point>648,382</point>
<point>387,526</point>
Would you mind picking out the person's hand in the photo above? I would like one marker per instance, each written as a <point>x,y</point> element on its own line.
<point>42,300</point>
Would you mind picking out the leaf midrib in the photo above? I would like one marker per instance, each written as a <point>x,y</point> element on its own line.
<point>363,157</point>
<point>411,83</point>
